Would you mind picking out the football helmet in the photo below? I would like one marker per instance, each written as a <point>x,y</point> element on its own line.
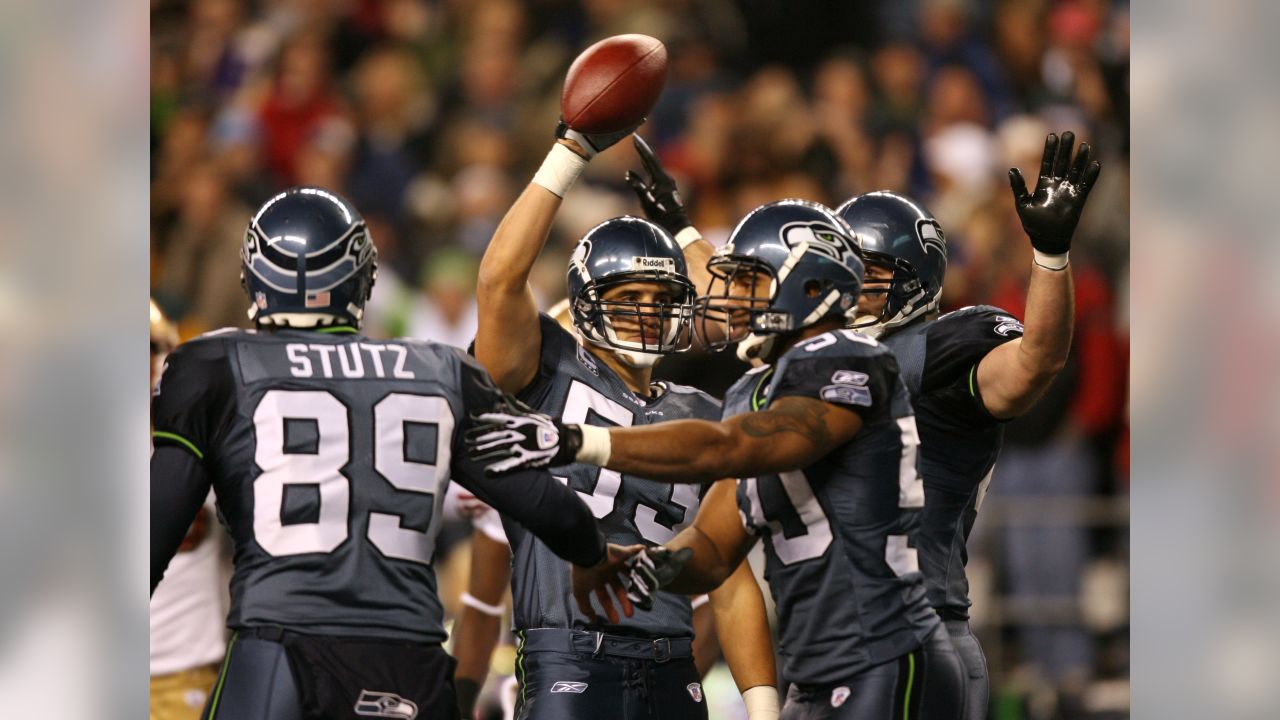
<point>788,265</point>
<point>307,261</point>
<point>901,235</point>
<point>625,250</point>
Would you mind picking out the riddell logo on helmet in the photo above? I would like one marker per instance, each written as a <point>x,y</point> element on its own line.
<point>653,263</point>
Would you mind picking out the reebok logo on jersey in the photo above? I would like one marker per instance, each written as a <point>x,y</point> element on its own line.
<point>839,695</point>
<point>569,687</point>
<point>385,705</point>
<point>848,387</point>
<point>695,691</point>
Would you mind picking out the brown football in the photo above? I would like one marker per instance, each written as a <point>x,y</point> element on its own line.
<point>614,84</point>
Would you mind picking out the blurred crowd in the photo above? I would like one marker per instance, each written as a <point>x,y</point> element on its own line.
<point>431,115</point>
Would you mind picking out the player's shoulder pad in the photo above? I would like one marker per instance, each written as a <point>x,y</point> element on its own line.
<point>553,331</point>
<point>842,367</point>
<point>979,320</point>
<point>835,344</point>
<point>704,404</point>
<point>210,348</point>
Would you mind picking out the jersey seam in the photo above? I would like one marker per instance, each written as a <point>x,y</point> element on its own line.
<point>183,441</point>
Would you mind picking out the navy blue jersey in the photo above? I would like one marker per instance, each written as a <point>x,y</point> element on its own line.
<point>959,438</point>
<point>838,534</point>
<point>577,388</point>
<point>329,456</point>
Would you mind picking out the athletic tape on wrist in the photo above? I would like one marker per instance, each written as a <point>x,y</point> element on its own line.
<point>761,702</point>
<point>699,601</point>
<point>1050,262</point>
<point>560,170</point>
<point>597,446</point>
<point>474,602</point>
<point>687,237</point>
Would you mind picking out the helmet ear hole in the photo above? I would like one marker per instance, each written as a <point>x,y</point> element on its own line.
<point>817,288</point>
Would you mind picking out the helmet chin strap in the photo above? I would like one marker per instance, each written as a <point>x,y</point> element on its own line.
<point>636,359</point>
<point>877,330</point>
<point>755,348</point>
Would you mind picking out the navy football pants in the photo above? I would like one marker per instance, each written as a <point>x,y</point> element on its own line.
<point>569,675</point>
<point>925,684</point>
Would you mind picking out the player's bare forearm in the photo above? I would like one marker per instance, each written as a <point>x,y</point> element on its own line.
<point>717,538</point>
<point>696,255</point>
<point>1012,377</point>
<point>508,336</point>
<point>793,433</point>
<point>478,627</point>
<point>743,627</point>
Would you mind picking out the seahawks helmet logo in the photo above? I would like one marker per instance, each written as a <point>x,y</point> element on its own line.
<point>820,238</point>
<point>929,233</point>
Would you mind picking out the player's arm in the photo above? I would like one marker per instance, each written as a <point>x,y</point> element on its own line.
<point>190,406</point>
<point>792,433</point>
<point>660,199</point>
<point>508,336</point>
<point>179,486</point>
<point>742,625</point>
<point>476,632</point>
<point>695,561</point>
<point>550,510</point>
<point>1013,376</point>
<point>706,646</point>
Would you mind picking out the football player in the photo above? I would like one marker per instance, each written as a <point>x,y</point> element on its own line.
<point>630,301</point>
<point>329,454</point>
<point>971,370</point>
<point>187,609</point>
<point>823,440</point>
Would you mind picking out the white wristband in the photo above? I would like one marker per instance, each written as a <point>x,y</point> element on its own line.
<point>474,602</point>
<point>687,237</point>
<point>560,170</point>
<point>761,702</point>
<point>596,446</point>
<point>1050,262</point>
<point>699,600</point>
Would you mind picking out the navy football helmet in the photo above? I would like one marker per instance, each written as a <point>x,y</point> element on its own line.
<point>307,261</point>
<point>901,235</point>
<point>626,250</point>
<point>788,265</point>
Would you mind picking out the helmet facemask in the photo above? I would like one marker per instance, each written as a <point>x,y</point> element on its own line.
<point>906,296</point>
<point>736,308</point>
<point>657,328</point>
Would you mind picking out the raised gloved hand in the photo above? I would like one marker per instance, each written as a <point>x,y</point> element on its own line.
<point>650,570</point>
<point>1050,214</point>
<point>659,197</point>
<point>587,145</point>
<point>514,437</point>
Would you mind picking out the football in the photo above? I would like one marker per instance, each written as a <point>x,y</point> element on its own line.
<point>614,84</point>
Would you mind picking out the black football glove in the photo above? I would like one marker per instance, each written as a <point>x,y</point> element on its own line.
<point>592,143</point>
<point>659,197</point>
<point>652,569</point>
<point>513,437</point>
<point>1049,216</point>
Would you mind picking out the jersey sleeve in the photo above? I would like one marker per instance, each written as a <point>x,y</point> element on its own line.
<point>557,343</point>
<point>861,383</point>
<point>194,398</point>
<point>544,506</point>
<point>956,344</point>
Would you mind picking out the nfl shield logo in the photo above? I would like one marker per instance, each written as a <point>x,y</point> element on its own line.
<point>839,695</point>
<point>695,691</point>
